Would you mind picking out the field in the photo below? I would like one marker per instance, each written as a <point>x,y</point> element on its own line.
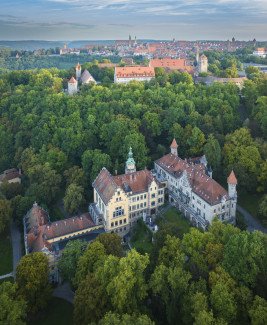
<point>58,312</point>
<point>6,258</point>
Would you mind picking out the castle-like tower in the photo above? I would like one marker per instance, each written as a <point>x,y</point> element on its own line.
<point>197,56</point>
<point>130,163</point>
<point>72,86</point>
<point>78,71</point>
<point>232,182</point>
<point>203,64</point>
<point>174,147</point>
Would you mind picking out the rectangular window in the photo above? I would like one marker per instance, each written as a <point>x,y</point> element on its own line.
<point>145,204</point>
<point>145,196</point>
<point>141,205</point>
<point>112,224</point>
<point>118,212</point>
<point>124,220</point>
<point>141,197</point>
<point>116,223</point>
<point>137,206</point>
<point>137,198</point>
<point>120,222</point>
<point>153,203</point>
<point>153,195</point>
<point>134,199</point>
<point>134,207</point>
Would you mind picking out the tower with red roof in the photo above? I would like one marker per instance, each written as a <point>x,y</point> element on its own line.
<point>174,147</point>
<point>72,86</point>
<point>203,63</point>
<point>78,71</point>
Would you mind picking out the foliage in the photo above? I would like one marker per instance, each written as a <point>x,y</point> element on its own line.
<point>12,310</point>
<point>69,260</point>
<point>32,280</point>
<point>111,243</point>
<point>90,302</point>
<point>125,319</point>
<point>74,198</point>
<point>5,214</point>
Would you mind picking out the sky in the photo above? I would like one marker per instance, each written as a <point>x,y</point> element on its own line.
<point>65,20</point>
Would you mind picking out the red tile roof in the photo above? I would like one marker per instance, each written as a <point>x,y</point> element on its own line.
<point>72,80</point>
<point>232,179</point>
<point>174,144</point>
<point>203,57</point>
<point>39,229</point>
<point>78,67</point>
<point>131,72</point>
<point>136,182</point>
<point>204,186</point>
<point>105,185</point>
<point>178,63</point>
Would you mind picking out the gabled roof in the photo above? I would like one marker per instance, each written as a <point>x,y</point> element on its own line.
<point>86,76</point>
<point>232,179</point>
<point>105,185</point>
<point>203,57</point>
<point>201,184</point>
<point>72,80</point>
<point>174,144</point>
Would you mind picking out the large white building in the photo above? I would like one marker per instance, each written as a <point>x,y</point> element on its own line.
<point>192,189</point>
<point>119,201</point>
<point>126,74</point>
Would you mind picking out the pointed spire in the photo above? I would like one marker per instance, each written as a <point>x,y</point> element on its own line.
<point>232,179</point>
<point>78,67</point>
<point>130,163</point>
<point>174,144</point>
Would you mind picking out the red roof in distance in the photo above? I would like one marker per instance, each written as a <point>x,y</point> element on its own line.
<point>232,179</point>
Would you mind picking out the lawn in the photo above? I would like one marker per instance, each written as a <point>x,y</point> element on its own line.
<point>57,312</point>
<point>174,216</point>
<point>250,202</point>
<point>6,258</point>
<point>141,238</point>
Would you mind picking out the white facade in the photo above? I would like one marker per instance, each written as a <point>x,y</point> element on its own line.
<point>195,193</point>
<point>72,87</point>
<point>126,80</point>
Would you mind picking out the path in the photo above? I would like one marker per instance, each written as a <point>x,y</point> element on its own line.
<point>16,245</point>
<point>251,222</point>
<point>162,211</point>
<point>64,291</point>
<point>9,275</point>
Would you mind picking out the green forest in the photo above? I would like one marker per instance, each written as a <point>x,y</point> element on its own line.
<point>62,142</point>
<point>212,278</point>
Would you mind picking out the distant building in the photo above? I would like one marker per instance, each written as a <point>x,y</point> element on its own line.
<point>169,65</point>
<point>72,86</point>
<point>128,61</point>
<point>50,238</point>
<point>203,64</point>
<point>11,175</point>
<point>209,80</point>
<point>17,56</point>
<point>126,74</point>
<point>193,191</point>
<point>260,51</point>
<point>119,201</point>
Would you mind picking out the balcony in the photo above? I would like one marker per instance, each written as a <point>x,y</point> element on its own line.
<point>96,213</point>
<point>188,211</point>
<point>158,176</point>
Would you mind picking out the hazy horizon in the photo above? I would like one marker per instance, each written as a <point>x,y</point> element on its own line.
<point>60,20</point>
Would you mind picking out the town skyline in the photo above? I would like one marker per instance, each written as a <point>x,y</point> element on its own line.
<point>59,20</point>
